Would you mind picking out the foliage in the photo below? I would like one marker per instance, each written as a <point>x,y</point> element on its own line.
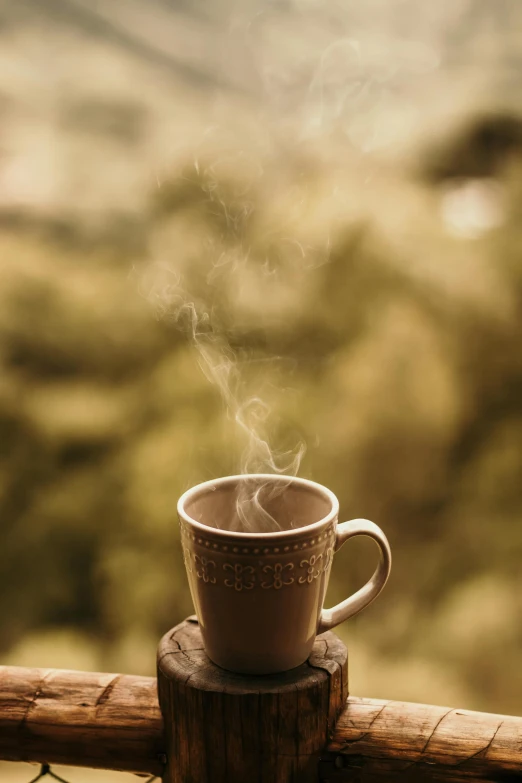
<point>373,301</point>
<point>406,385</point>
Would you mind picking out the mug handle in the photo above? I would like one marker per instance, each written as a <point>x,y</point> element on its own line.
<point>329,618</point>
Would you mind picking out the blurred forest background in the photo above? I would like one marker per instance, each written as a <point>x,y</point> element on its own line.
<point>339,186</point>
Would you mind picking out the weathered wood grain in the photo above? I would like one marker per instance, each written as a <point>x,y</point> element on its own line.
<point>108,721</point>
<point>226,727</point>
<point>391,741</point>
<point>230,728</point>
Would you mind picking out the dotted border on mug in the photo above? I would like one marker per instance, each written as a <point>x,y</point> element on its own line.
<point>257,550</point>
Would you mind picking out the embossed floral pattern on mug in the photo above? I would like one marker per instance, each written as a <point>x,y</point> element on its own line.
<point>279,575</point>
<point>312,568</point>
<point>243,576</point>
<point>187,559</point>
<point>205,569</point>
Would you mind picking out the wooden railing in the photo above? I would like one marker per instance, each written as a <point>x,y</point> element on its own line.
<point>105,721</point>
<point>113,721</point>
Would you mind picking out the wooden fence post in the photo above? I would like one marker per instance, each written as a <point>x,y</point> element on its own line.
<point>229,728</point>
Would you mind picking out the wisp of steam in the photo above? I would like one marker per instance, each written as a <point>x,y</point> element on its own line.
<point>250,414</point>
<point>324,82</point>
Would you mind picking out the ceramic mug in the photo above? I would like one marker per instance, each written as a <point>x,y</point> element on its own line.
<point>259,596</point>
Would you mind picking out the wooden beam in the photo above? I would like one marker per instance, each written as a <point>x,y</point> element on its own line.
<point>113,721</point>
<point>107,721</point>
<point>390,741</point>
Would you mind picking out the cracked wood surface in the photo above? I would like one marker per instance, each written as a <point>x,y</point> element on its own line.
<point>226,727</point>
<point>107,721</point>
<point>230,728</point>
<point>390,740</point>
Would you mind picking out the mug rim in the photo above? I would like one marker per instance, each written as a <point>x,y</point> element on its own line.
<point>224,480</point>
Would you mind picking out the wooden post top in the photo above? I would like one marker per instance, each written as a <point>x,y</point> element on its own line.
<point>182,656</point>
<point>223,727</point>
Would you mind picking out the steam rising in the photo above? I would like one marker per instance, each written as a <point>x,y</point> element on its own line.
<point>250,414</point>
<point>310,78</point>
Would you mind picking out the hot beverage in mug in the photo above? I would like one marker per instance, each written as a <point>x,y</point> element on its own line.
<point>258,551</point>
